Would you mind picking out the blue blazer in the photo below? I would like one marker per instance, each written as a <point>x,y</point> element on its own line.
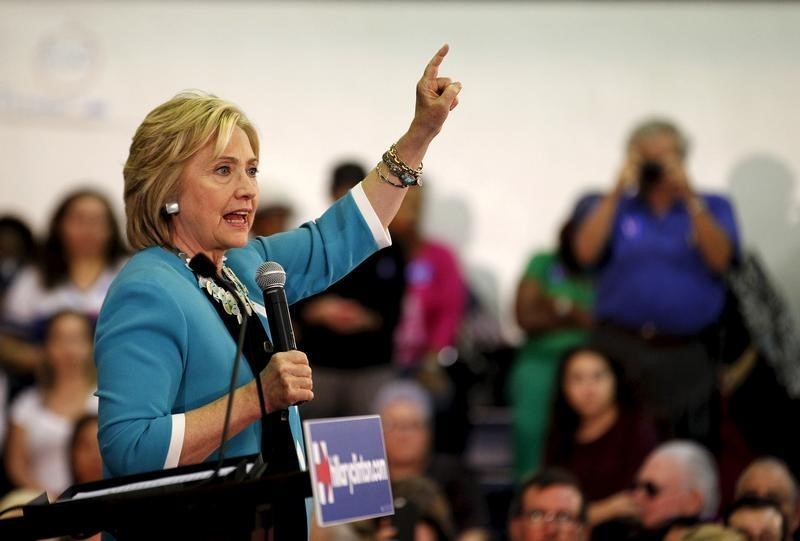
<point>161,349</point>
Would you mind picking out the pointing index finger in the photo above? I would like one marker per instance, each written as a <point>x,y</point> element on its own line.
<point>432,69</point>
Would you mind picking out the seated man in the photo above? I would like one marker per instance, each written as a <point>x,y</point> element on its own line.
<point>760,519</point>
<point>677,486</point>
<point>769,477</point>
<point>550,505</point>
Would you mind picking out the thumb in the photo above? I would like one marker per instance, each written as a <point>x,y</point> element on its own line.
<point>451,91</point>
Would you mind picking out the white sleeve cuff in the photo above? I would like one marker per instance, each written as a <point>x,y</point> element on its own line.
<point>176,440</point>
<point>379,233</point>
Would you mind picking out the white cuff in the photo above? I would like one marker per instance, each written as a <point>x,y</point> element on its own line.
<point>379,233</point>
<point>176,440</point>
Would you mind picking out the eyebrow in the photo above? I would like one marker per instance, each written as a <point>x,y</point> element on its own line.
<point>234,160</point>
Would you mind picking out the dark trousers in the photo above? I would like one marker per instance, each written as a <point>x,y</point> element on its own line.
<point>675,380</point>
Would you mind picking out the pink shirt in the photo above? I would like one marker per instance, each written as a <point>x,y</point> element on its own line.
<point>433,305</point>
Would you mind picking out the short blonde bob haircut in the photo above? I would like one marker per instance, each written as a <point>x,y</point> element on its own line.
<point>170,134</point>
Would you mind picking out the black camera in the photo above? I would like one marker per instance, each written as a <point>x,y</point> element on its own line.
<point>649,174</point>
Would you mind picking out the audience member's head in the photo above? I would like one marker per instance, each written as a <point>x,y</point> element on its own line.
<point>590,384</point>
<point>406,411</point>
<point>677,480</point>
<point>85,460</point>
<point>83,226</point>
<point>271,218</point>
<point>658,144</point>
<point>68,347</point>
<point>760,519</point>
<point>658,133</point>
<point>550,505</point>
<point>566,254</point>
<point>769,477</point>
<point>711,532</point>
<point>17,248</point>
<point>344,177</point>
<point>433,515</point>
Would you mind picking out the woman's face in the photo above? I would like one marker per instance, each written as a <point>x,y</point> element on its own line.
<point>87,463</point>
<point>85,227</point>
<point>589,384</point>
<point>405,432</point>
<point>68,345</point>
<point>218,198</point>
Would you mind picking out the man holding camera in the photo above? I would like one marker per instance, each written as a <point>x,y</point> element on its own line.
<point>660,250</point>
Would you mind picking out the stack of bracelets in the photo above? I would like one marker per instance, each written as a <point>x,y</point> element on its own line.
<point>407,175</point>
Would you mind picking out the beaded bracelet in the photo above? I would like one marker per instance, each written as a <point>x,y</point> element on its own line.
<point>385,179</point>
<point>407,175</point>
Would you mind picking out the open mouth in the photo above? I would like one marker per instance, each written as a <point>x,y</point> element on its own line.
<point>238,218</point>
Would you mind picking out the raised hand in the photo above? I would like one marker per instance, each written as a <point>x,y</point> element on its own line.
<point>436,96</point>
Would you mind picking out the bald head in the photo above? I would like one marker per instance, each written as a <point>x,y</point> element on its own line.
<point>770,478</point>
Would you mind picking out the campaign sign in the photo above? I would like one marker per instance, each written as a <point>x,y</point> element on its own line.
<point>349,472</point>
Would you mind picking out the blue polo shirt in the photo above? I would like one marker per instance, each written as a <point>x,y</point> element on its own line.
<point>653,274</point>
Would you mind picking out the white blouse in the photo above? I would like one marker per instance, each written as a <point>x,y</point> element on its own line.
<point>47,438</point>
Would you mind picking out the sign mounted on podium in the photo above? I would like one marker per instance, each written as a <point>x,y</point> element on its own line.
<point>349,471</point>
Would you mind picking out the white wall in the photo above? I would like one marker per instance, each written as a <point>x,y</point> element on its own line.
<point>550,91</point>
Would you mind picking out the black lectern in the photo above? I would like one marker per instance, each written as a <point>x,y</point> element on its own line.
<point>180,503</point>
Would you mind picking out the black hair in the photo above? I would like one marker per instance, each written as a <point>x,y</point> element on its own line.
<point>547,477</point>
<point>346,175</point>
<point>564,420</point>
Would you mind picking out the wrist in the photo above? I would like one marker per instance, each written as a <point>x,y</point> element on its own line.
<point>695,205</point>
<point>413,145</point>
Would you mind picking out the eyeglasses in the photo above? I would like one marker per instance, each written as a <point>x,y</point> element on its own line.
<point>559,518</point>
<point>648,487</point>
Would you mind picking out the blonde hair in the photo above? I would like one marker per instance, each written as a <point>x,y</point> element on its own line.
<point>170,134</point>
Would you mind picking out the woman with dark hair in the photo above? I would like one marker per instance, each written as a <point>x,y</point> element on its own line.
<point>42,417</point>
<point>598,432</point>
<point>553,305</point>
<point>81,255</point>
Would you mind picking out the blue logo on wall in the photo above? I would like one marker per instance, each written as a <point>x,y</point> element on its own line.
<point>349,472</point>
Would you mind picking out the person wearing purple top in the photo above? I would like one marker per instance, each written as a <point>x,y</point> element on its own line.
<point>660,250</point>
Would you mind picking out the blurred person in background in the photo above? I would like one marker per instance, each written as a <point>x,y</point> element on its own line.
<point>660,250</point>
<point>598,432</point>
<point>406,411</point>
<point>81,255</point>
<point>273,217</point>
<point>17,249</point>
<point>43,416</point>
<point>85,461</point>
<point>770,478</point>
<point>548,506</point>
<point>553,308</point>
<point>760,519</point>
<point>347,330</point>
<point>676,487</point>
<point>434,304</point>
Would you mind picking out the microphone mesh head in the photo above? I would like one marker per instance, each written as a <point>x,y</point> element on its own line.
<point>270,275</point>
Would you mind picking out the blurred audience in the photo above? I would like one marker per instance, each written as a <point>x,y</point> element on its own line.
<point>82,253</point>
<point>553,303</point>
<point>347,330</point>
<point>760,519</point>
<point>549,505</point>
<point>42,417</point>
<point>406,411</point>
<point>770,478</point>
<point>711,532</point>
<point>598,432</point>
<point>660,249</point>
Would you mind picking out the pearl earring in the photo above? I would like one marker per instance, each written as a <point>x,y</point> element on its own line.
<point>172,208</point>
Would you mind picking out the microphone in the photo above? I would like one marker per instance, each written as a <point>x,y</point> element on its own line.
<point>271,277</point>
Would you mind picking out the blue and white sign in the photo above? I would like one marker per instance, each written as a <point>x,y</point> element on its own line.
<point>349,472</point>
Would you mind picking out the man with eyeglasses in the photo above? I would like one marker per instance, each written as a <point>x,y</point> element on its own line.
<point>550,506</point>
